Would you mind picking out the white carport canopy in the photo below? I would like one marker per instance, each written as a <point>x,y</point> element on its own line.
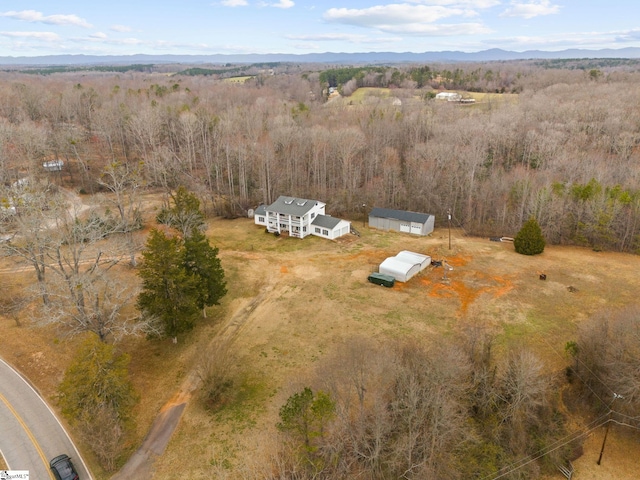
<point>415,258</point>
<point>400,270</point>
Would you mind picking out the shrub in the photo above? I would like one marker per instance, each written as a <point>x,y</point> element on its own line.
<point>529,240</point>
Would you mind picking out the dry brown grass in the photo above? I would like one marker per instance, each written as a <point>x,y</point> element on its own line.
<point>314,295</point>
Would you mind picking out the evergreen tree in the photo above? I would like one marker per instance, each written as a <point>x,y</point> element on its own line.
<point>169,291</point>
<point>529,240</point>
<point>203,264</point>
<point>306,414</point>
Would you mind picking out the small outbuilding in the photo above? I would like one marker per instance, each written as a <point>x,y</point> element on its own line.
<point>404,265</point>
<point>449,96</point>
<point>401,221</point>
<point>400,270</point>
<point>260,215</point>
<point>329,227</point>
<point>414,258</point>
<point>53,165</point>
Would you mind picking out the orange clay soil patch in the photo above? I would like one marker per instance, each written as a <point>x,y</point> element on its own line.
<point>458,260</point>
<point>468,290</point>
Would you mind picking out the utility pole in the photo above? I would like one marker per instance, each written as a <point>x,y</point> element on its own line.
<point>606,432</point>
<point>364,214</point>
<point>449,219</point>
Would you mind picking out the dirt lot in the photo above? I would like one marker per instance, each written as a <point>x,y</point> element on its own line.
<point>291,301</point>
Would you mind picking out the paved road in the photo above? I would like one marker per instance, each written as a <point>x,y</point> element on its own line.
<point>31,435</point>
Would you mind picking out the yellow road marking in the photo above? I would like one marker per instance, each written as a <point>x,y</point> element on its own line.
<point>31,437</point>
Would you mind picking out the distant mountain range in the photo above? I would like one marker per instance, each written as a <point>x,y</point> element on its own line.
<point>495,54</point>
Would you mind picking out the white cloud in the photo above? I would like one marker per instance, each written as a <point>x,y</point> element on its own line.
<point>120,28</point>
<point>37,17</point>
<point>45,36</point>
<point>104,39</point>
<point>531,9</point>
<point>283,4</point>
<point>388,14</point>
<point>342,37</point>
<point>561,41</point>
<point>438,30</point>
<point>459,3</point>
<point>234,3</point>
<point>419,20</point>
<point>628,36</point>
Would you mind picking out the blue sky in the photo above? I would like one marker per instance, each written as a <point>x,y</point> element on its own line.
<point>117,27</point>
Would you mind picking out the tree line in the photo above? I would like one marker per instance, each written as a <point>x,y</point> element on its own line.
<point>564,150</point>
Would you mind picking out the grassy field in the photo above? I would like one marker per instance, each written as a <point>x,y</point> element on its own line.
<point>364,94</point>
<point>292,301</point>
<point>318,296</point>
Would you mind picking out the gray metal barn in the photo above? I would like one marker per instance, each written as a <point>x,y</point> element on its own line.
<point>401,221</point>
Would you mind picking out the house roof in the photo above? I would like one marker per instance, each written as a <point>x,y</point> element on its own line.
<point>261,210</point>
<point>292,205</point>
<point>399,215</point>
<point>326,221</point>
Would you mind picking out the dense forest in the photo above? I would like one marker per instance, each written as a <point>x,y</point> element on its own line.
<point>562,149</point>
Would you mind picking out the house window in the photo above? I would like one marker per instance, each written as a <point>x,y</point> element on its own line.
<point>325,232</point>
<point>317,230</point>
<point>261,219</point>
<point>304,229</point>
<point>313,216</point>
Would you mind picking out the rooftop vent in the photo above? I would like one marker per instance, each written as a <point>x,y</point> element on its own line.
<point>301,203</point>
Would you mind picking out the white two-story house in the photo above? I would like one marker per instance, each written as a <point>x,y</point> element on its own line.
<point>290,215</point>
<point>299,217</point>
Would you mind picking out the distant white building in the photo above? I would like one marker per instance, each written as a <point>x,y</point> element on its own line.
<point>449,96</point>
<point>53,165</point>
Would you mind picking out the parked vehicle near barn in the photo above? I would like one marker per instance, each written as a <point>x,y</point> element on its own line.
<point>382,279</point>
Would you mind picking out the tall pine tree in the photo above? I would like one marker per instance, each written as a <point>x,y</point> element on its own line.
<point>169,291</point>
<point>202,263</point>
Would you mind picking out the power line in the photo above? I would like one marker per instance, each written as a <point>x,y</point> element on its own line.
<point>542,336</point>
<point>541,453</point>
<point>635,427</point>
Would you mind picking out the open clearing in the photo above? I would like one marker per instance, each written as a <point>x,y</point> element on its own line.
<point>291,301</point>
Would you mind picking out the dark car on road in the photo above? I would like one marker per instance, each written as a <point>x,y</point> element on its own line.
<point>63,468</point>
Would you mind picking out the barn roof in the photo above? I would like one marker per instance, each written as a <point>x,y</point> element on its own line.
<point>399,215</point>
